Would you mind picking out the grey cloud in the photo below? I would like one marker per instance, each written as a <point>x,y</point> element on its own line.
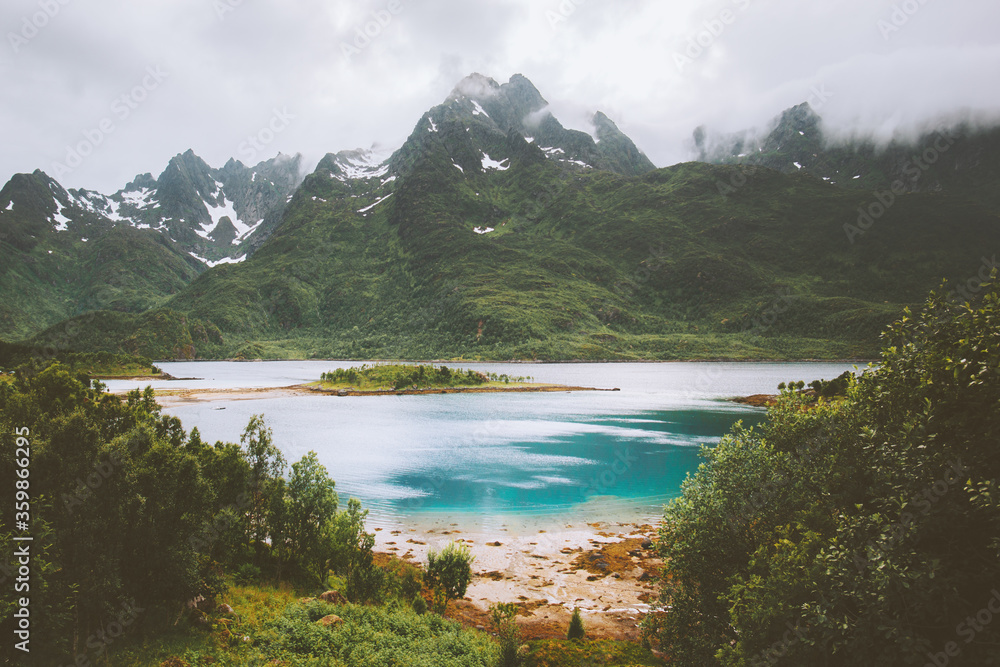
<point>228,73</point>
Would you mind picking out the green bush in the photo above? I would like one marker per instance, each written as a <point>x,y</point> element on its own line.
<point>248,573</point>
<point>576,630</point>
<point>503,617</point>
<point>448,573</point>
<point>861,531</point>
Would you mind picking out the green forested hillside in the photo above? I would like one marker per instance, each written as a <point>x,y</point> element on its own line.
<point>583,264</point>
<point>496,233</point>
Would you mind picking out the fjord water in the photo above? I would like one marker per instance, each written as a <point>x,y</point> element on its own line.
<point>482,458</point>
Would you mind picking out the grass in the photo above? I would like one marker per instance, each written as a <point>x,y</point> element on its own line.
<point>565,653</point>
<point>255,607</point>
<point>272,624</point>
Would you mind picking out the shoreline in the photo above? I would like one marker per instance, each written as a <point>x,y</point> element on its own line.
<point>175,397</point>
<point>518,388</point>
<point>716,360</point>
<point>609,570</point>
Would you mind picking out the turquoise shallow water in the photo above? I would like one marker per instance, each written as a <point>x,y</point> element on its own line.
<point>480,457</point>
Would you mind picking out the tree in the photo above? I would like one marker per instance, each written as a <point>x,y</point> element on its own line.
<point>449,573</point>
<point>576,630</point>
<point>352,554</point>
<point>266,467</point>
<point>311,506</point>
<point>860,531</point>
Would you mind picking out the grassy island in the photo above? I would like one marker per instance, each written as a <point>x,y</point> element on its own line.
<point>381,379</point>
<point>398,377</point>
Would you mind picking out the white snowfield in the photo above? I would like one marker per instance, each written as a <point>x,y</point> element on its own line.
<point>225,260</point>
<point>490,163</point>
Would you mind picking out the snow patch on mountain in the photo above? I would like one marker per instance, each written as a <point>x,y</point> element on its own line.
<point>483,230</point>
<point>477,109</point>
<point>10,205</point>
<point>59,218</point>
<point>364,163</point>
<point>368,208</point>
<point>225,260</point>
<point>490,163</point>
<point>242,236</point>
<point>138,198</point>
<point>217,213</point>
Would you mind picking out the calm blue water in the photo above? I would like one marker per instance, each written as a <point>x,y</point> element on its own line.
<point>603,455</point>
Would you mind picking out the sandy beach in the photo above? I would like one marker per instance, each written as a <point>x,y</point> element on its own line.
<point>608,570</point>
<point>547,566</point>
<point>169,398</point>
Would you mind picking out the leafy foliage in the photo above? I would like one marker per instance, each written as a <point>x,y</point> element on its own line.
<point>449,573</point>
<point>861,531</point>
<point>132,518</point>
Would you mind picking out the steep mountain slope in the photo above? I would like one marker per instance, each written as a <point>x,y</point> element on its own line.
<point>958,158</point>
<point>487,236</point>
<point>65,252</point>
<point>216,215</point>
<point>58,259</point>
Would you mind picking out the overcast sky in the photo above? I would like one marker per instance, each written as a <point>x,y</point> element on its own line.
<point>133,83</point>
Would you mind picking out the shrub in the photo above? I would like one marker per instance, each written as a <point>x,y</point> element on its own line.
<point>502,618</point>
<point>576,630</point>
<point>247,573</point>
<point>449,573</point>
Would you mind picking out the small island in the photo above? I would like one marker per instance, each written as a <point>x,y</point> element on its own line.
<point>396,379</point>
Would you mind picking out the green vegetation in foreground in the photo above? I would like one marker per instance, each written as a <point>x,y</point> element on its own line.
<point>861,531</point>
<point>576,653</point>
<point>154,548</point>
<point>396,377</point>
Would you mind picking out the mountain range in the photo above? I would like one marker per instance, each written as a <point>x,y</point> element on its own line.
<point>494,232</point>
